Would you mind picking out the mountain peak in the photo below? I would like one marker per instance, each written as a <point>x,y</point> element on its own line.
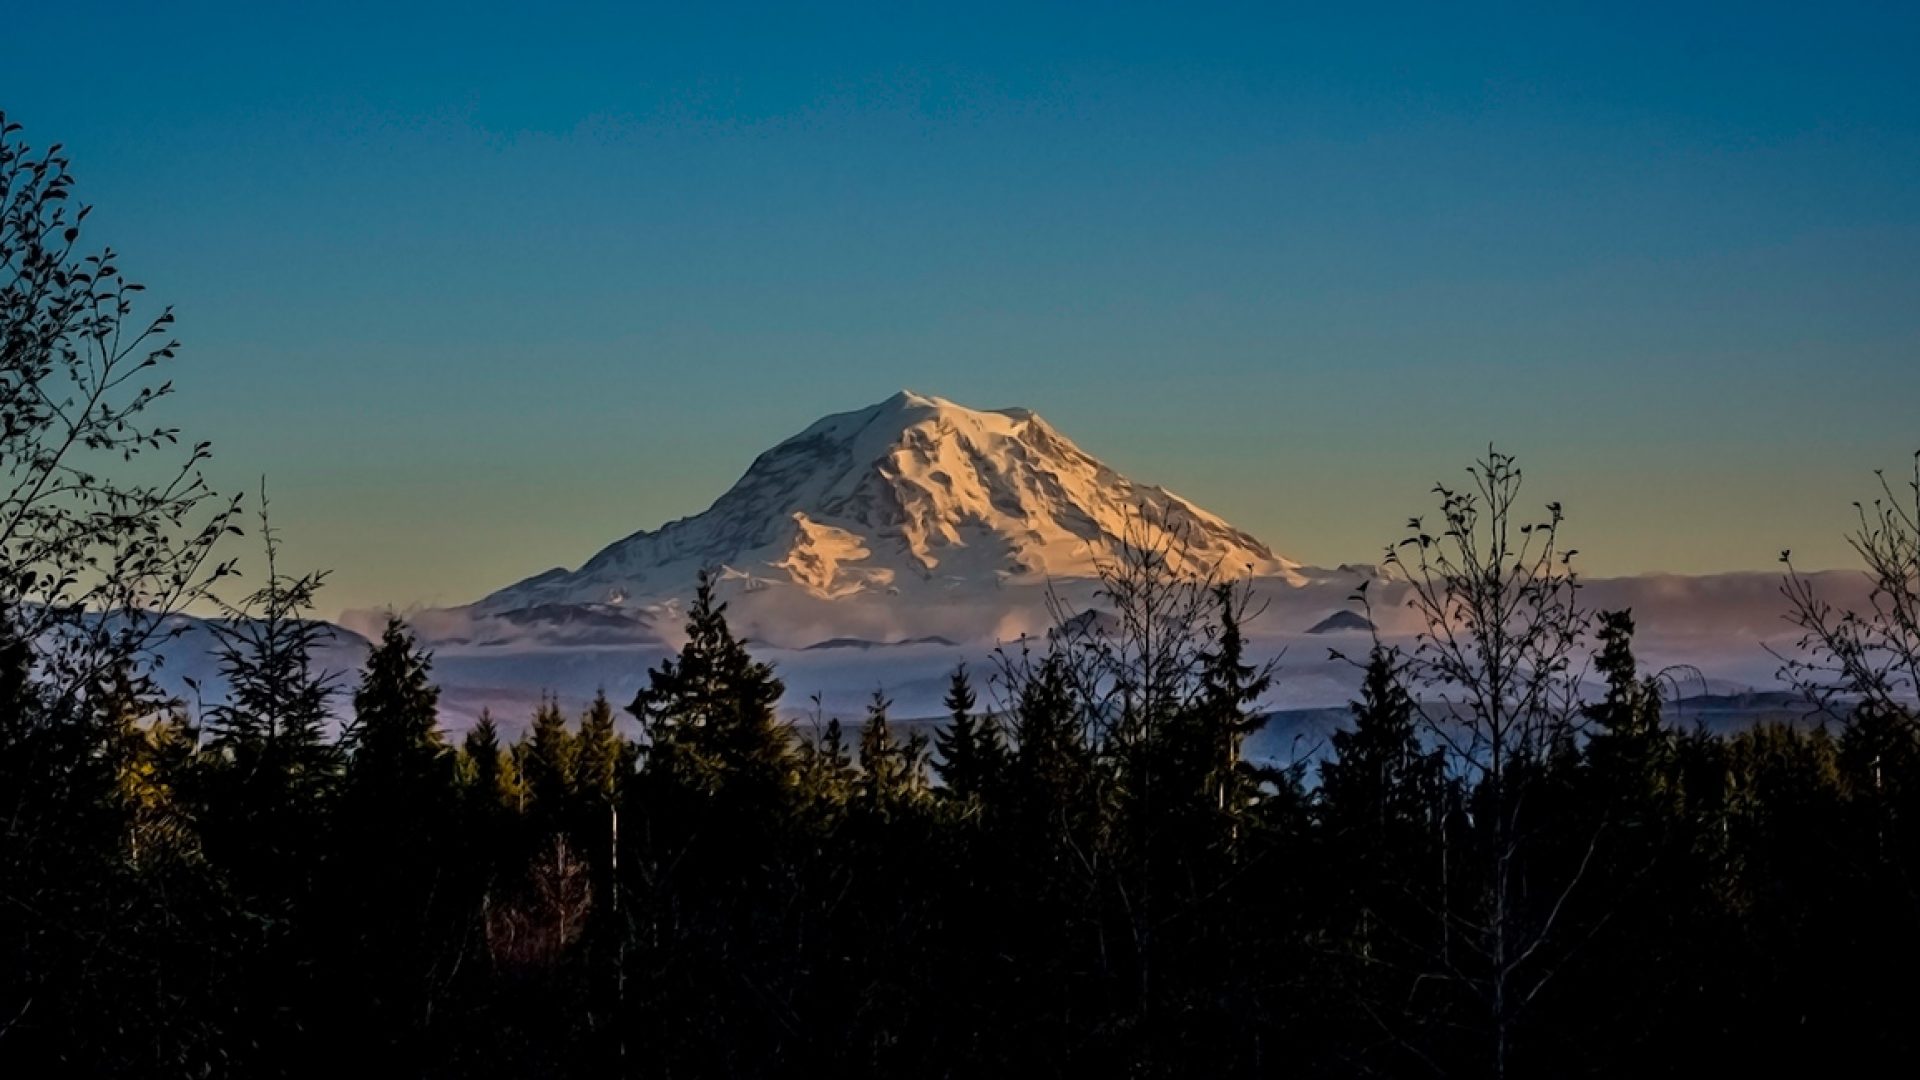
<point>909,399</point>
<point>915,493</point>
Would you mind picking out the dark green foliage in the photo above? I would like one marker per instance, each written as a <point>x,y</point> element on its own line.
<point>729,898</point>
<point>1380,787</point>
<point>709,714</point>
<point>971,748</point>
<point>742,901</point>
<point>892,772</point>
<point>489,782</point>
<point>395,749</point>
<point>271,766</point>
<point>546,759</point>
<point>601,758</point>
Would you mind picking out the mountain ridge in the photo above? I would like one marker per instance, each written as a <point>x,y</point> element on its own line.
<point>915,494</point>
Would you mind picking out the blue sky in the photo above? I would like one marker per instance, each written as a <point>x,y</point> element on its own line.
<point>480,291</point>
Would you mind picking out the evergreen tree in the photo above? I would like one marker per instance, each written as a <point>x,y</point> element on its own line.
<point>828,775</point>
<point>1378,788</point>
<point>485,768</point>
<point>972,749</point>
<point>892,773</point>
<point>709,713</point>
<point>1051,760</point>
<point>397,893</point>
<point>1628,750</point>
<point>547,765</point>
<point>491,799</point>
<point>398,761</point>
<point>1221,720</point>
<point>601,758</point>
<point>278,771</point>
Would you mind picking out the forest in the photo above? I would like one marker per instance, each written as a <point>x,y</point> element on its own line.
<point>1510,862</point>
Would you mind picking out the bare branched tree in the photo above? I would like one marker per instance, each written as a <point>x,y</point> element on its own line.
<point>1864,659</point>
<point>90,566</point>
<point>1155,668</point>
<point>1496,664</point>
<point>1135,657</point>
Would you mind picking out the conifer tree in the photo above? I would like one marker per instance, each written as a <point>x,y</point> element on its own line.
<point>827,768</point>
<point>1052,763</point>
<point>709,713</point>
<point>1628,749</point>
<point>1223,716</point>
<point>398,761</point>
<point>1379,785</point>
<point>547,764</point>
<point>601,757</point>
<point>275,714</point>
<point>397,889</point>
<point>277,770</point>
<point>892,773</point>
<point>491,799</point>
<point>972,750</point>
<point>485,767</point>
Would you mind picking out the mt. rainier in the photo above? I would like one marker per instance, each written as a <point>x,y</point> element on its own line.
<point>883,546</point>
<point>913,496</point>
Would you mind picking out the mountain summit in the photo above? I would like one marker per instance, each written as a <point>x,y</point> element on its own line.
<point>913,495</point>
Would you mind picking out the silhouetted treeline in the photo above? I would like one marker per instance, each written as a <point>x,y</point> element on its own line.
<point>1073,885</point>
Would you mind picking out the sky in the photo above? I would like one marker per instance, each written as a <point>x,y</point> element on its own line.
<point>478,292</point>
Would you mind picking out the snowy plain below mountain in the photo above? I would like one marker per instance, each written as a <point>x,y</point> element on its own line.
<point>878,548</point>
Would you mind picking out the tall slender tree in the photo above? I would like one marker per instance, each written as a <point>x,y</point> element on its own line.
<point>972,748</point>
<point>708,714</point>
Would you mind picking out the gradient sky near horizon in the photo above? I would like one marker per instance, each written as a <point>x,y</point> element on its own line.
<point>479,292</point>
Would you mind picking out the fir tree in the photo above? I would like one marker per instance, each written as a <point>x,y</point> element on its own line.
<point>1052,763</point>
<point>892,773</point>
<point>1223,717</point>
<point>398,758</point>
<point>601,757</point>
<point>1628,750</point>
<point>709,713</point>
<point>827,766</point>
<point>486,769</point>
<point>972,750</point>
<point>277,771</point>
<point>547,764</point>
<point>1379,783</point>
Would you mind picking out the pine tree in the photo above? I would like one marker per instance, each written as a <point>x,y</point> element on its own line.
<point>709,713</point>
<point>828,775</point>
<point>1384,808</point>
<point>828,771</point>
<point>601,757</point>
<point>1629,752</point>
<point>395,879</point>
<point>398,761</point>
<point>272,724</point>
<point>276,771</point>
<point>1379,785</point>
<point>547,765</point>
<point>1052,764</point>
<point>486,769</point>
<point>892,773</point>
<point>1223,717</point>
<point>972,749</point>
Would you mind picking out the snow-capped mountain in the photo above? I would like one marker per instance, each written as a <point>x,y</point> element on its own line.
<point>914,495</point>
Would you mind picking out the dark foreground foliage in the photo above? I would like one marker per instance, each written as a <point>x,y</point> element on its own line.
<point>724,898</point>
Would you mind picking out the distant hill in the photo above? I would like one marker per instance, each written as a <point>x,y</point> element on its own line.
<point>1341,622</point>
